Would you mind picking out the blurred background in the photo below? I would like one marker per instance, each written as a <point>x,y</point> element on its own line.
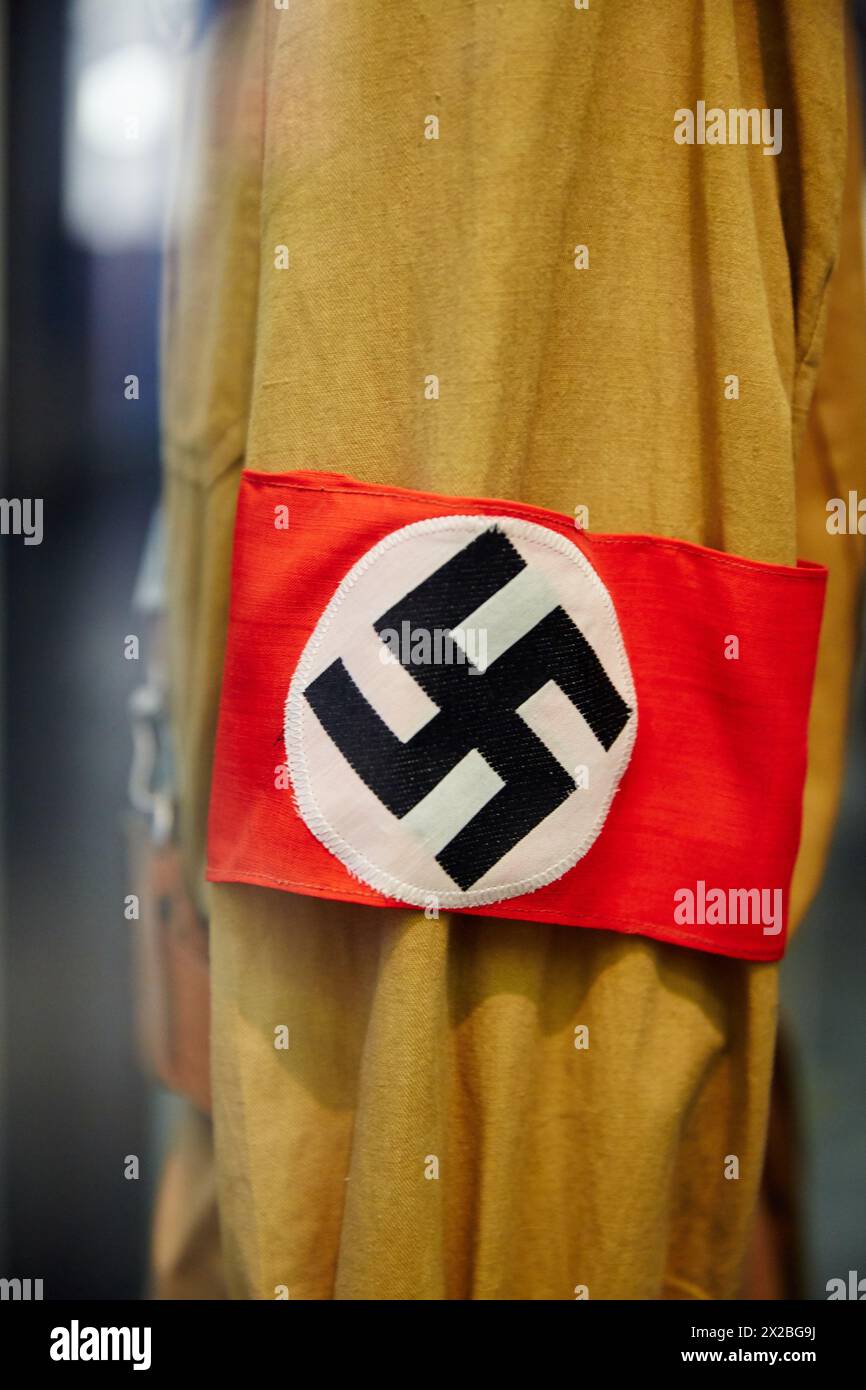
<point>89,88</point>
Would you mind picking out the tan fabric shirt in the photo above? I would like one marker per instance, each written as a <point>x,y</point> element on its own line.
<point>558,1169</point>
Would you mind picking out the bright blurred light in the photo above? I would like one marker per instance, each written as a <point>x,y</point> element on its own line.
<point>125,68</point>
<point>123,101</point>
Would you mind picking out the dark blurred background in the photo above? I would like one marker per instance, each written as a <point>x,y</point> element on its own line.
<point>84,211</point>
<point>89,87</point>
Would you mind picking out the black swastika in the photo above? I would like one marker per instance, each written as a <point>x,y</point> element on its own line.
<point>476,710</point>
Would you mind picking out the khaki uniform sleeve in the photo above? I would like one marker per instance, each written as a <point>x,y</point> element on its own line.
<point>832,463</point>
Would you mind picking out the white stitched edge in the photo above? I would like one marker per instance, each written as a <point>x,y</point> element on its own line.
<point>356,863</point>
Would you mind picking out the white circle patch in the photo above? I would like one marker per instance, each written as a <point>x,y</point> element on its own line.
<point>462,713</point>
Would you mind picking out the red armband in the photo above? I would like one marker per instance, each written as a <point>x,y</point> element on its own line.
<point>465,704</point>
